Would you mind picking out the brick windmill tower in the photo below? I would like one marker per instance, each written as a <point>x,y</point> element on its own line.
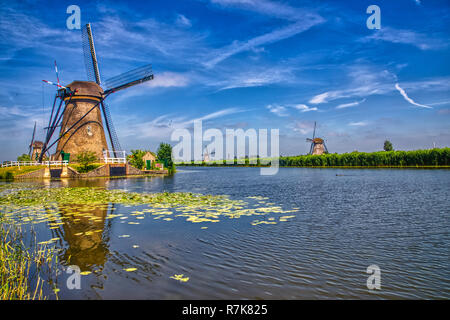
<point>318,146</point>
<point>82,104</point>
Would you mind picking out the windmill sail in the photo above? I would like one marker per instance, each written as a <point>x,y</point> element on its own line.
<point>115,144</point>
<point>129,79</point>
<point>32,139</point>
<point>90,57</point>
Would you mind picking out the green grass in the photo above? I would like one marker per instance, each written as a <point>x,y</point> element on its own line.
<point>11,172</point>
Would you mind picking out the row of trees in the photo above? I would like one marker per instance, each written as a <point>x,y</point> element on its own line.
<point>433,157</point>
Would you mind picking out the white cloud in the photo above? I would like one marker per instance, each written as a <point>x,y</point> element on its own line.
<point>183,21</point>
<point>419,40</point>
<point>320,98</point>
<point>256,77</point>
<point>278,110</point>
<point>269,8</point>
<point>168,79</point>
<point>162,126</point>
<point>304,108</point>
<point>403,93</point>
<point>267,38</point>
<point>359,124</point>
<point>351,104</point>
<point>303,127</point>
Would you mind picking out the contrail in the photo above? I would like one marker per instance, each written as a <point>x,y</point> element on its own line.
<point>403,93</point>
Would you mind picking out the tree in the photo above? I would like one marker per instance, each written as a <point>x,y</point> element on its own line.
<point>164,153</point>
<point>388,146</point>
<point>85,159</point>
<point>24,157</point>
<point>135,158</point>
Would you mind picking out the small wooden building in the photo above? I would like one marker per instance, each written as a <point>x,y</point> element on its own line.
<point>148,159</point>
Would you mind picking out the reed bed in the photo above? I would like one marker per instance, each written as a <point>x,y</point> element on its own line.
<point>21,265</point>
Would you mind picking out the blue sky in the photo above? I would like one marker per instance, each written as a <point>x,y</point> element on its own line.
<point>239,64</point>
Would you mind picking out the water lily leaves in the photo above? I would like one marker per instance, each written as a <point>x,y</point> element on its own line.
<point>180,277</point>
<point>36,204</point>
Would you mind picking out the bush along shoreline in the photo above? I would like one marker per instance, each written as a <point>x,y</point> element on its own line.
<point>394,159</point>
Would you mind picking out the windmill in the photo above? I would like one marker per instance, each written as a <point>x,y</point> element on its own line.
<point>82,104</point>
<point>317,144</point>
<point>35,147</point>
<point>206,156</point>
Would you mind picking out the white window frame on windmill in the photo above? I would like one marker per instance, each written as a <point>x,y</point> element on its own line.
<point>110,156</point>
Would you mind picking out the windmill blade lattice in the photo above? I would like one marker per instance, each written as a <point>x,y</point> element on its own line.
<point>90,57</point>
<point>115,144</point>
<point>130,78</point>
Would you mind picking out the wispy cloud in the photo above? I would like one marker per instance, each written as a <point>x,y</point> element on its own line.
<point>305,108</point>
<point>403,93</point>
<point>277,110</point>
<point>181,20</point>
<point>359,124</point>
<point>269,8</point>
<point>364,81</point>
<point>168,79</point>
<point>303,127</point>
<point>300,21</point>
<point>256,76</point>
<point>351,104</point>
<point>419,40</point>
<point>162,126</point>
<point>267,38</point>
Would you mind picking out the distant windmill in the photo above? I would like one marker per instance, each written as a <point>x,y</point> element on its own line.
<point>206,156</point>
<point>317,144</point>
<point>35,147</point>
<point>80,118</point>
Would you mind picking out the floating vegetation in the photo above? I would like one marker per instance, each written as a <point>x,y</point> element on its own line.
<point>32,204</point>
<point>180,277</point>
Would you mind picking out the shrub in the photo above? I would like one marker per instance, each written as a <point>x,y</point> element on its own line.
<point>85,159</point>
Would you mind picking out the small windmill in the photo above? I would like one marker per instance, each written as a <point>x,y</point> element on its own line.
<point>80,118</point>
<point>206,156</point>
<point>35,147</point>
<point>317,144</point>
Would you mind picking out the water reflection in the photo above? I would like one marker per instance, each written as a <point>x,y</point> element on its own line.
<point>85,231</point>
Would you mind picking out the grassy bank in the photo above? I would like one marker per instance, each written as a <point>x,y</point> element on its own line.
<point>9,173</point>
<point>398,159</point>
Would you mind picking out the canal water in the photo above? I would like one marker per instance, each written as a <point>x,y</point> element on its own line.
<point>343,221</point>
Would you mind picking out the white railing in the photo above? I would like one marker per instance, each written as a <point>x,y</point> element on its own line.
<point>115,160</point>
<point>34,163</point>
<point>114,156</point>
